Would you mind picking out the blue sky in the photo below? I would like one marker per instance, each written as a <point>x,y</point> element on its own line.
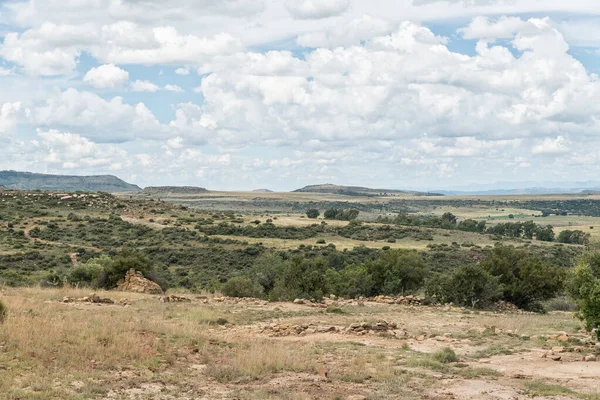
<point>240,94</point>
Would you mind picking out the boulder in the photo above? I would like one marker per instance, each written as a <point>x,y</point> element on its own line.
<point>135,282</point>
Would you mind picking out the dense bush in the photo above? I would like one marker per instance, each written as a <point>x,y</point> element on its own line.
<point>574,237</point>
<point>398,272</point>
<point>469,285</point>
<point>242,286</point>
<point>341,215</point>
<point>313,213</point>
<point>525,280</point>
<point>584,287</point>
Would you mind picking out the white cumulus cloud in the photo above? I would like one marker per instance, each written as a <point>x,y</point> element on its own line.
<point>106,76</point>
<point>316,9</point>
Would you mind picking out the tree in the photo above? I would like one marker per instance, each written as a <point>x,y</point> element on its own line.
<point>545,234</point>
<point>470,285</point>
<point>525,280</point>
<point>449,217</point>
<point>398,272</point>
<point>584,287</point>
<point>267,269</point>
<point>88,274</point>
<point>574,237</point>
<point>242,286</point>
<point>313,213</point>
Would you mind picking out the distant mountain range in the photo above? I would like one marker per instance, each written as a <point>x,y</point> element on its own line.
<point>357,190</point>
<point>262,191</point>
<point>516,188</point>
<point>32,181</point>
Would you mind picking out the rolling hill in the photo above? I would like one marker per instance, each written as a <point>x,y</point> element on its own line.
<point>32,181</point>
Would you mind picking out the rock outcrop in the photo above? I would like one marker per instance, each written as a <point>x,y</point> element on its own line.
<point>135,282</point>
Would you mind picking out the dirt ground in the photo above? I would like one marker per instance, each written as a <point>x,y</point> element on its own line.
<point>220,348</point>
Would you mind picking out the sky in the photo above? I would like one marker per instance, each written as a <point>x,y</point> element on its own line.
<point>279,94</point>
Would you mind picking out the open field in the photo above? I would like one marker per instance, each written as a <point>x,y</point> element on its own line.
<point>210,349</point>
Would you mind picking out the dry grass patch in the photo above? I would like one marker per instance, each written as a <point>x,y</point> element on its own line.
<point>254,360</point>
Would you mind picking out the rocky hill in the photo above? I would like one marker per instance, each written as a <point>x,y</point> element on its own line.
<point>356,190</point>
<point>32,181</point>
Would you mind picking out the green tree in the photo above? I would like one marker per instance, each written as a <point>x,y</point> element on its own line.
<point>351,282</point>
<point>313,213</point>
<point>398,272</point>
<point>525,280</point>
<point>470,285</point>
<point>88,274</point>
<point>266,270</point>
<point>584,287</point>
<point>545,233</point>
<point>242,286</point>
<point>450,218</point>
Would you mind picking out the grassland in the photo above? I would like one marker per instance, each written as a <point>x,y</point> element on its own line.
<point>211,349</point>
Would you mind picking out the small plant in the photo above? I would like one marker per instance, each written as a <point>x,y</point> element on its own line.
<point>3,312</point>
<point>321,241</point>
<point>445,356</point>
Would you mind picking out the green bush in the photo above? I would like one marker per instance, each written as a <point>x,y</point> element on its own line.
<point>88,274</point>
<point>242,286</point>
<point>469,285</point>
<point>445,356</point>
<point>398,272</point>
<point>3,312</point>
<point>584,287</point>
<point>313,213</point>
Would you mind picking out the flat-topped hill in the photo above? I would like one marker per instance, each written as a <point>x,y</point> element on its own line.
<point>70,183</point>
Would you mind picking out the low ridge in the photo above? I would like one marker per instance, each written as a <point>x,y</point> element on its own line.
<point>356,190</point>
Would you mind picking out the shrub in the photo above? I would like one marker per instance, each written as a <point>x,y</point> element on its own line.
<point>445,356</point>
<point>526,280</point>
<point>584,287</point>
<point>313,213</point>
<point>88,274</point>
<point>242,286</point>
<point>3,312</point>
<point>469,285</point>
<point>398,272</point>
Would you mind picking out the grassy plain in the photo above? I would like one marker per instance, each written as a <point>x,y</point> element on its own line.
<point>209,349</point>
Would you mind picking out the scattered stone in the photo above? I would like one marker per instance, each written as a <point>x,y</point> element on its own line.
<point>135,282</point>
<point>92,298</point>
<point>556,358</point>
<point>175,299</point>
<point>589,358</point>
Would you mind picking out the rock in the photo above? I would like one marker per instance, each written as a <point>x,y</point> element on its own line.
<point>135,282</point>
<point>556,358</point>
<point>589,358</point>
<point>298,301</point>
<point>175,299</point>
<point>558,349</point>
<point>597,347</point>
<point>562,338</point>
